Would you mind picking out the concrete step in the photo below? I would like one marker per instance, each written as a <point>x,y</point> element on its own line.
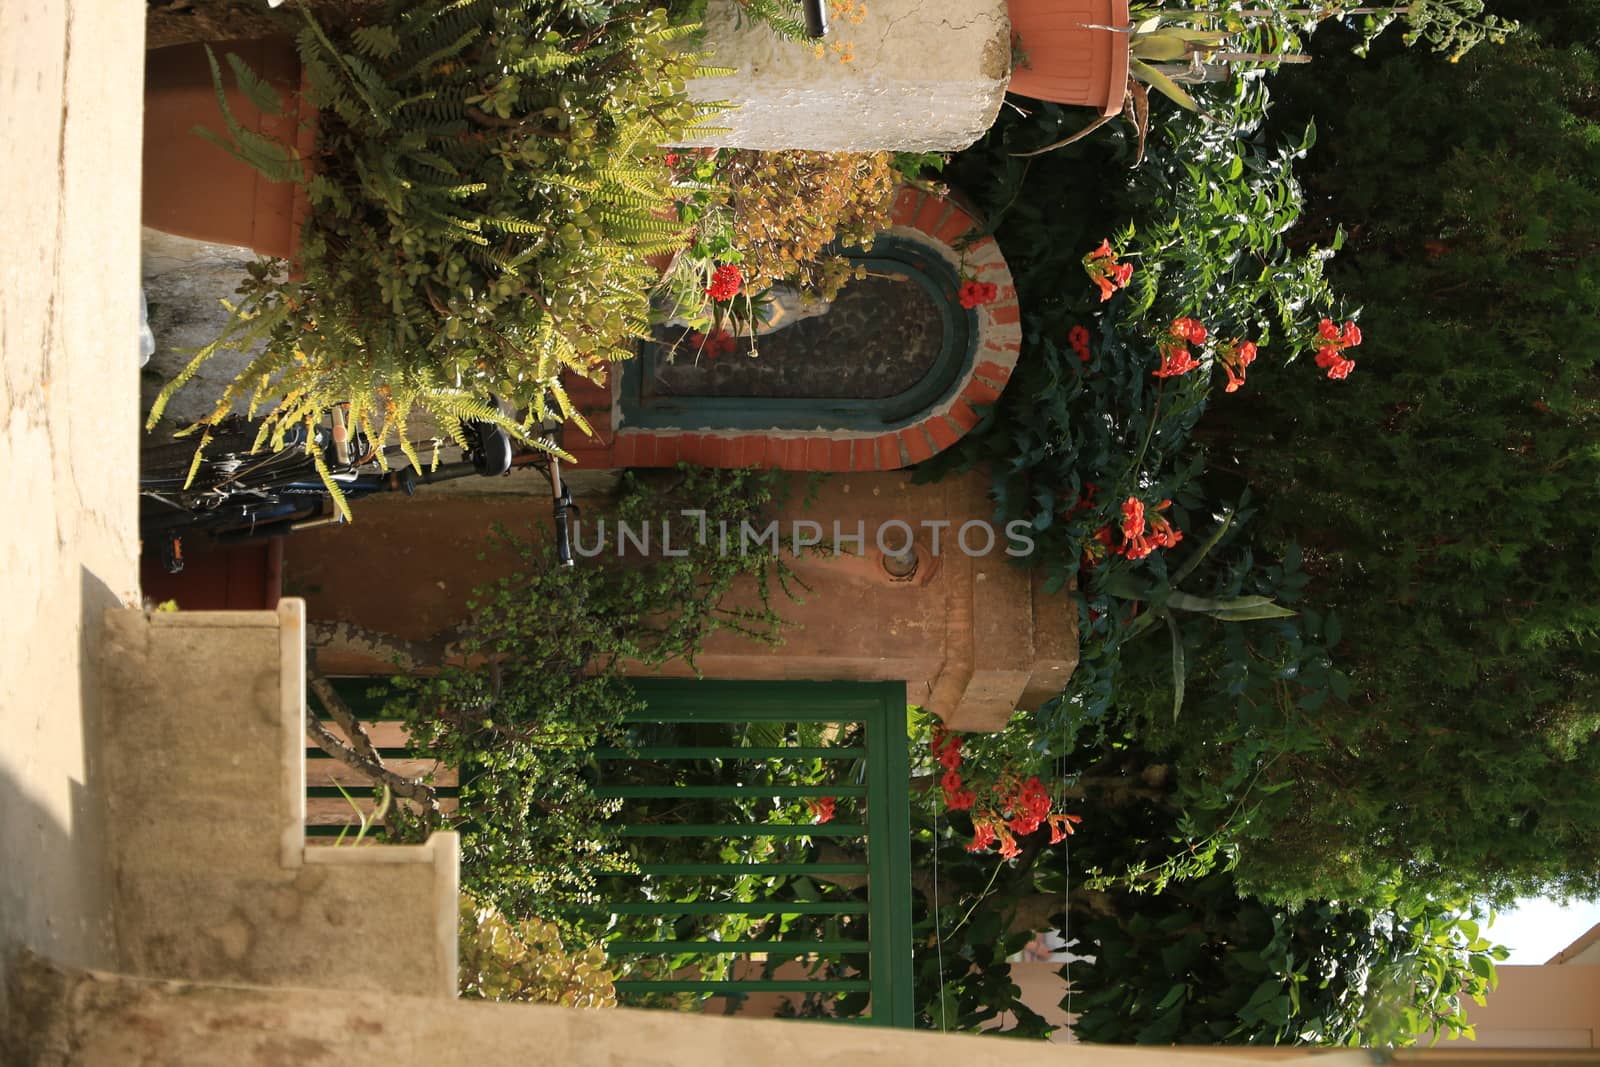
<point>204,751</point>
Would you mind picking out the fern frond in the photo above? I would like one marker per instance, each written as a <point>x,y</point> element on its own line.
<point>319,38</point>
<point>509,224</point>
<point>442,55</point>
<point>379,42</point>
<point>335,493</point>
<point>260,94</point>
<point>644,182</point>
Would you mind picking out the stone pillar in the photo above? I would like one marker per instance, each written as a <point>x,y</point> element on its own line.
<point>924,76</point>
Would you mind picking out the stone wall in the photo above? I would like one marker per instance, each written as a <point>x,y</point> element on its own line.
<point>103,1020</point>
<point>922,76</point>
<point>204,739</point>
<point>972,636</point>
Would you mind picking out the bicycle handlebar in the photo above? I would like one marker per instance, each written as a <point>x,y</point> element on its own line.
<point>562,508</point>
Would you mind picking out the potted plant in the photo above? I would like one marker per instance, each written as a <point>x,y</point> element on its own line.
<point>1071,51</point>
<point>194,184</point>
<point>482,190</point>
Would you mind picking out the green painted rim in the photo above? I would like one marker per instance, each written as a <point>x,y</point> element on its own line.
<point>951,367</point>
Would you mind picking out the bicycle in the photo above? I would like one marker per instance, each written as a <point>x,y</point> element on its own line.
<point>237,495</point>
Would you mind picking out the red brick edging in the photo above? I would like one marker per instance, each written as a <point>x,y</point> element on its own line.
<point>930,219</point>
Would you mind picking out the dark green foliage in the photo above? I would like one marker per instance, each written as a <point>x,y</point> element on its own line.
<point>1203,223</point>
<point>1202,963</point>
<point>1446,495</point>
<point>1190,960</point>
<point>1426,721</point>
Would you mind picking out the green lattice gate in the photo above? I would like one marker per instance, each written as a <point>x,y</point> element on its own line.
<point>712,784</point>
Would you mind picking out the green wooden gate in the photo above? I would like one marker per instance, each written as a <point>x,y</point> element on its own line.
<point>745,736</point>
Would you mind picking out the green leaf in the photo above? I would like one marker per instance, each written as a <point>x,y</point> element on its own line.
<point>1174,995</point>
<point>1177,665</point>
<point>1164,84</point>
<point>1200,553</point>
<point>260,94</point>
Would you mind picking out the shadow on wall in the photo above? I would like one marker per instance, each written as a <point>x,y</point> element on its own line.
<point>54,886</point>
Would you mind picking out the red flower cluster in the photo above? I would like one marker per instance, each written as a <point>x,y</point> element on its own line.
<point>1332,341</point>
<point>716,343</point>
<point>975,293</point>
<point>672,159</point>
<point>1078,338</point>
<point>1085,499</point>
<point>1142,533</point>
<point>821,809</point>
<point>1105,271</point>
<point>946,748</point>
<point>726,282</point>
<point>1187,329</point>
<point>1024,808</point>
<point>1176,358</point>
<point>1235,357</point>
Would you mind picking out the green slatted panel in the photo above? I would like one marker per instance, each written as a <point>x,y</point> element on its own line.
<point>736,948</point>
<point>724,829</point>
<point>874,808</point>
<point>670,752</point>
<point>704,792</point>
<point>770,985</point>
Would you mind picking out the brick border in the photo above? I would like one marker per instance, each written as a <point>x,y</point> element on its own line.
<point>931,220</point>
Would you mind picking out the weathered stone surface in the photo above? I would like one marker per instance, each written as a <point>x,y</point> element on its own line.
<point>205,808</point>
<point>185,282</point>
<point>926,75</point>
<point>107,1020</point>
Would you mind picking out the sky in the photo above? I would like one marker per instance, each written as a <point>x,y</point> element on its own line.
<point>1537,928</point>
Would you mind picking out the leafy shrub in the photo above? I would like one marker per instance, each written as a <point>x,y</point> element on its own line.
<point>536,684</point>
<point>780,216</point>
<point>1423,518</point>
<point>1203,961</point>
<point>788,207</point>
<point>484,192</point>
<point>526,961</point>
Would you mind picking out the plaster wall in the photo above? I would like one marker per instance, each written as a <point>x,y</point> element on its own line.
<point>1550,1006</point>
<point>69,359</point>
<point>925,75</point>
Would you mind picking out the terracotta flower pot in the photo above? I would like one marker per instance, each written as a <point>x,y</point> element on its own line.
<point>194,188</point>
<point>1065,61</point>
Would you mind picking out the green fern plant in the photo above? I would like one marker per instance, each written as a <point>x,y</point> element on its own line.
<point>485,189</point>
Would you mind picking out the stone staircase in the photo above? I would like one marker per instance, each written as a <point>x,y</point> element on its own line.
<point>204,750</point>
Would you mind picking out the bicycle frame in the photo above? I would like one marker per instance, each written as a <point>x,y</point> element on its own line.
<point>242,498</point>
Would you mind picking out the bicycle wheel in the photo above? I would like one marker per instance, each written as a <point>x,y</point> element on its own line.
<point>231,489</point>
